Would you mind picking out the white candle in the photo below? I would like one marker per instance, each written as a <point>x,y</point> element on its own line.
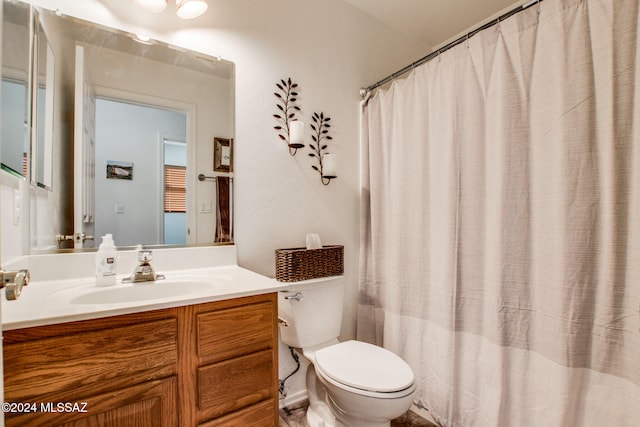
<point>296,132</point>
<point>329,165</point>
<point>226,156</point>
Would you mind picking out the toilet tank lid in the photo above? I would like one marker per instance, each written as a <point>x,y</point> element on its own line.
<point>365,366</point>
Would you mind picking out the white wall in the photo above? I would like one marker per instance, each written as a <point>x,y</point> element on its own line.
<point>14,243</point>
<point>331,50</point>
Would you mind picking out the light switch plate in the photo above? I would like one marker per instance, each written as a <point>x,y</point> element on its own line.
<point>206,207</point>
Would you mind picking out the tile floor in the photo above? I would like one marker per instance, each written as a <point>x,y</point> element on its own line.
<point>294,416</point>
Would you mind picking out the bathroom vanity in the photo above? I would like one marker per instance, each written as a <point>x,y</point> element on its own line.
<point>211,364</point>
<point>205,354</point>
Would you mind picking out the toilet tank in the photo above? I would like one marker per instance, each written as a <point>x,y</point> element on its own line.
<point>316,318</point>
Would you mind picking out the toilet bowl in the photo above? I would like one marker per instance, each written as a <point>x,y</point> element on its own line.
<point>350,383</point>
<point>366,385</point>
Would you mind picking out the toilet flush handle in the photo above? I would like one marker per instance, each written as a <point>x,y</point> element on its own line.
<point>297,296</point>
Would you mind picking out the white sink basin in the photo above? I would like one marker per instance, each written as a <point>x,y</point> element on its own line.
<point>89,294</point>
<point>141,292</point>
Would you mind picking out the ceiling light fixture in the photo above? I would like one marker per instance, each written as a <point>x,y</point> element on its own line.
<point>152,5</point>
<point>189,9</point>
<point>185,9</point>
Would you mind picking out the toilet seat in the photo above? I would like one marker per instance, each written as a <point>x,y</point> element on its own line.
<point>365,369</point>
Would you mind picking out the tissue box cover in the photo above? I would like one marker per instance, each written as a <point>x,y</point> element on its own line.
<point>295,264</point>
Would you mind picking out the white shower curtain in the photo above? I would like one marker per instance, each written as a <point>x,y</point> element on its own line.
<point>501,221</point>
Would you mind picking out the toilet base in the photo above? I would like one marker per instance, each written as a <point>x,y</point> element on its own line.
<point>318,413</point>
<point>352,423</point>
<point>355,410</point>
<point>324,412</point>
<point>345,420</point>
<point>348,421</point>
<point>315,420</point>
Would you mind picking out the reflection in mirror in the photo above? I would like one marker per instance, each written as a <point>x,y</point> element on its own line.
<point>42,148</point>
<point>15,77</point>
<point>137,143</point>
<point>146,88</point>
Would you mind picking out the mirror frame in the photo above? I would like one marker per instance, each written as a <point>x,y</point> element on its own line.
<point>41,135</point>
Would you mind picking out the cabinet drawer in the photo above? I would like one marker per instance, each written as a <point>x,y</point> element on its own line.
<point>263,414</point>
<point>89,363</point>
<point>231,332</point>
<point>227,386</point>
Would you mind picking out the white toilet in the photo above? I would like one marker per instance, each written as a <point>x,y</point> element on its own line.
<point>360,384</point>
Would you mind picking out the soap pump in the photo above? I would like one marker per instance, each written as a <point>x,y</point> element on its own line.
<point>106,262</point>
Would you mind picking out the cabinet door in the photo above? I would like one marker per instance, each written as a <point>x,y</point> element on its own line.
<point>234,362</point>
<point>150,404</point>
<point>235,383</point>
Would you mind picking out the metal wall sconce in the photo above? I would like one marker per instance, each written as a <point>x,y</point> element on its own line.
<point>291,130</point>
<point>327,167</point>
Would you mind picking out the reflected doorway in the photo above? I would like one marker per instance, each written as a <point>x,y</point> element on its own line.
<point>174,191</point>
<point>147,146</point>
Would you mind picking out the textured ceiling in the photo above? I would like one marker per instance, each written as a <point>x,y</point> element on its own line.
<point>433,22</point>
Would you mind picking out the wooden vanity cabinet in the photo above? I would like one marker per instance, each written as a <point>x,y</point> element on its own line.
<point>212,364</point>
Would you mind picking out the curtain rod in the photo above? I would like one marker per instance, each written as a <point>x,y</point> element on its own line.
<point>435,53</point>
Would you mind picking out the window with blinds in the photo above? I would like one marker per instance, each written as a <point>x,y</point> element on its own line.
<point>175,188</point>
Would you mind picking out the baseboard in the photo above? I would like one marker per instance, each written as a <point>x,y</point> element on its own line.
<point>293,398</point>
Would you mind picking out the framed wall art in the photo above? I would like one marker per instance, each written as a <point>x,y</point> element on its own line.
<point>119,170</point>
<point>223,154</point>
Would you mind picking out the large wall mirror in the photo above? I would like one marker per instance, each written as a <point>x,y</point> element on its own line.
<point>126,125</point>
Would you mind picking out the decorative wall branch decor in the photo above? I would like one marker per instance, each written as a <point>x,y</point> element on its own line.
<point>287,96</point>
<point>326,161</point>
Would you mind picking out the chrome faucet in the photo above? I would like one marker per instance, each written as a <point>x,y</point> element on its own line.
<point>13,281</point>
<point>143,271</point>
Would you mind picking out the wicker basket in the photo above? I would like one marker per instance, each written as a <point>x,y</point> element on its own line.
<point>295,264</point>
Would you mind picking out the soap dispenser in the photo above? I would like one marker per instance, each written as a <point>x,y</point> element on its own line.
<point>106,262</point>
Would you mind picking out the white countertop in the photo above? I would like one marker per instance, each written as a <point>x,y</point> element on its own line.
<point>68,300</point>
<point>63,289</point>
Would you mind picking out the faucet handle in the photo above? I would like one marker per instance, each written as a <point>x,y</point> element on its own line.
<point>145,255</point>
<point>13,281</point>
